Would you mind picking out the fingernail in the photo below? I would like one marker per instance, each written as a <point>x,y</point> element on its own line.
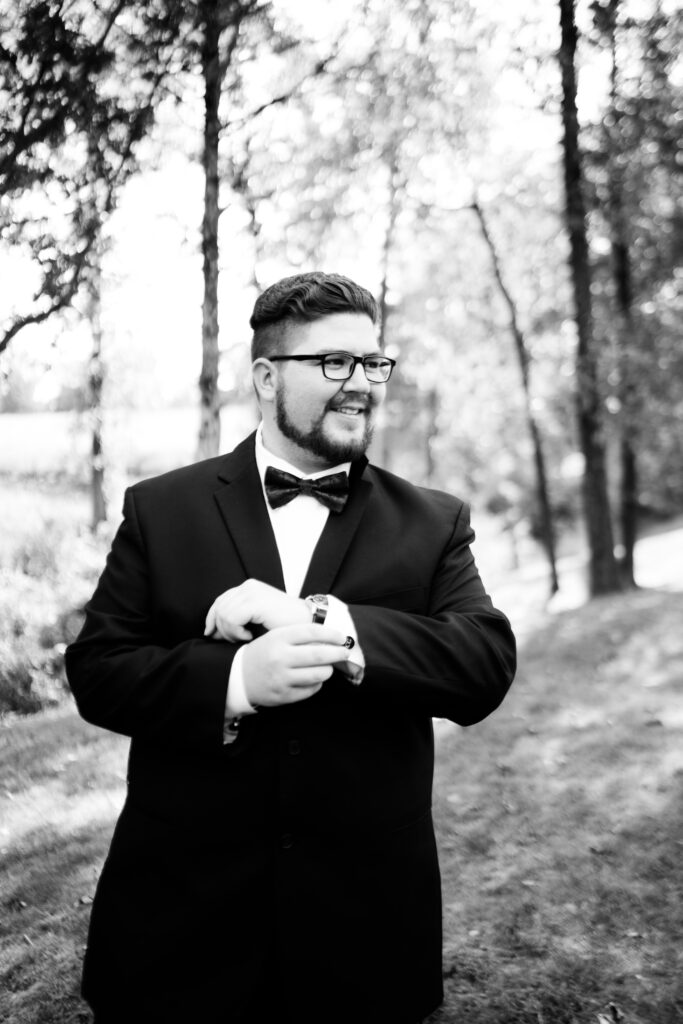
<point>349,642</point>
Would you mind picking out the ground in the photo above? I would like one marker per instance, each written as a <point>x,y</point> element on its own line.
<point>560,822</point>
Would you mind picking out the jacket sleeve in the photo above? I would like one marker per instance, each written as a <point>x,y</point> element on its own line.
<point>456,662</point>
<point>124,679</point>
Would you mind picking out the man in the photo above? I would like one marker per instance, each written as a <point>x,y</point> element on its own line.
<point>276,651</point>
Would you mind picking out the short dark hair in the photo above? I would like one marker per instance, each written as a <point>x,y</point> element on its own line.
<point>300,299</point>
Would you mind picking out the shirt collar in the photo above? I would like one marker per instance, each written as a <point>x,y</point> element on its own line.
<point>264,458</point>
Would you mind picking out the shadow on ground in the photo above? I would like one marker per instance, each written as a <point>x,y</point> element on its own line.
<point>560,822</point>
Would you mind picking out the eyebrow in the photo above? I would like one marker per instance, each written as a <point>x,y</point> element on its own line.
<point>346,352</point>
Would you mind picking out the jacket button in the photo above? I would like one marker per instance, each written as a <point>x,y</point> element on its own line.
<point>294,747</point>
<point>286,840</point>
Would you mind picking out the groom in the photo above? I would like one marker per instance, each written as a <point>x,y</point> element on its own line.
<point>275,629</point>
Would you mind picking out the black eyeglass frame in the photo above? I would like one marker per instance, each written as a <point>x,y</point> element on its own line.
<point>320,358</point>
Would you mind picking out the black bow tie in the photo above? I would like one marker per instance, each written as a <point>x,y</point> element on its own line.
<point>331,491</point>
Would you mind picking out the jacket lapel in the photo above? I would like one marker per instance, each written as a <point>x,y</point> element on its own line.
<point>242,506</point>
<point>337,535</point>
<point>244,512</point>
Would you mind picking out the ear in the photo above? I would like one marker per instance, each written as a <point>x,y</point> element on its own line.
<point>264,376</point>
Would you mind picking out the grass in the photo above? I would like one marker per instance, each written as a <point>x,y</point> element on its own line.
<point>138,442</point>
<point>62,786</point>
<point>561,828</point>
<point>560,823</point>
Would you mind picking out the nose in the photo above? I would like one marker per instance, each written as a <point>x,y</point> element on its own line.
<point>357,381</point>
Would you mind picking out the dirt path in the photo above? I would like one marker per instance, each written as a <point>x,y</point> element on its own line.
<point>523,595</point>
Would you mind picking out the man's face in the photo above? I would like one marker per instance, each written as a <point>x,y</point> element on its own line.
<point>322,422</point>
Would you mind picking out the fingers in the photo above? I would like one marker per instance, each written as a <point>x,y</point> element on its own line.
<point>305,655</point>
<point>229,631</point>
<point>311,678</point>
<point>220,623</point>
<point>291,663</point>
<point>298,693</point>
<point>253,602</point>
<point>311,633</point>
<point>232,628</point>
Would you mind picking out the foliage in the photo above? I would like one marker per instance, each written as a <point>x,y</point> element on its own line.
<point>358,146</point>
<point>634,146</point>
<point>78,88</point>
<point>31,674</point>
<point>47,568</point>
<point>372,125</point>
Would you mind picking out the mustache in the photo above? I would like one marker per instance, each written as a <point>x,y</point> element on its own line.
<point>361,400</point>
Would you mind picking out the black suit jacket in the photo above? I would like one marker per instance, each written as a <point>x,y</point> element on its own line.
<point>301,856</point>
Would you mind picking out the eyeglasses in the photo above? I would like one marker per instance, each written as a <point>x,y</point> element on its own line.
<point>342,365</point>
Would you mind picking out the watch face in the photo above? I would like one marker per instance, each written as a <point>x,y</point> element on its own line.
<point>318,603</point>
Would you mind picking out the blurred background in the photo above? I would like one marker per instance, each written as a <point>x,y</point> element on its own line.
<point>503,178</point>
<point>506,179</point>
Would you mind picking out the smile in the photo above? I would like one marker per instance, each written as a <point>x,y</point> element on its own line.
<point>350,410</point>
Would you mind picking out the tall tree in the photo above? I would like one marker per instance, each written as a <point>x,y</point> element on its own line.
<point>521,349</point>
<point>212,20</point>
<point>603,568</point>
<point>617,213</point>
<point>232,33</point>
<point>96,379</point>
<point>634,183</point>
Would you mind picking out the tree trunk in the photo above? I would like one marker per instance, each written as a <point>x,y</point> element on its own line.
<point>383,448</point>
<point>544,505</point>
<point>95,388</point>
<point>430,436</point>
<point>603,569</point>
<point>621,266</point>
<point>628,483</point>
<point>239,183</point>
<point>209,398</point>
<point>629,508</point>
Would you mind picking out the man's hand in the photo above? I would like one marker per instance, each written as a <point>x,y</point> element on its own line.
<point>290,663</point>
<point>257,602</point>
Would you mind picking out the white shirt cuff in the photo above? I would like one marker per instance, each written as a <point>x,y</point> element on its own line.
<point>236,701</point>
<point>339,616</point>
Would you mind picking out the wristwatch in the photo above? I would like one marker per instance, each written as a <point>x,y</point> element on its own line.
<point>318,605</point>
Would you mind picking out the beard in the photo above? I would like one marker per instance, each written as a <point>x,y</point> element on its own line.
<point>315,440</point>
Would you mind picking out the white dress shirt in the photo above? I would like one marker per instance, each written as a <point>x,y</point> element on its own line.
<point>297,527</point>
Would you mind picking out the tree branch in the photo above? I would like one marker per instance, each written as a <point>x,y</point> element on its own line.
<point>59,302</point>
<point>318,69</point>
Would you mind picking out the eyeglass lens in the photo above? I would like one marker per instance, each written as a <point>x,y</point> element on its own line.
<point>340,366</point>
